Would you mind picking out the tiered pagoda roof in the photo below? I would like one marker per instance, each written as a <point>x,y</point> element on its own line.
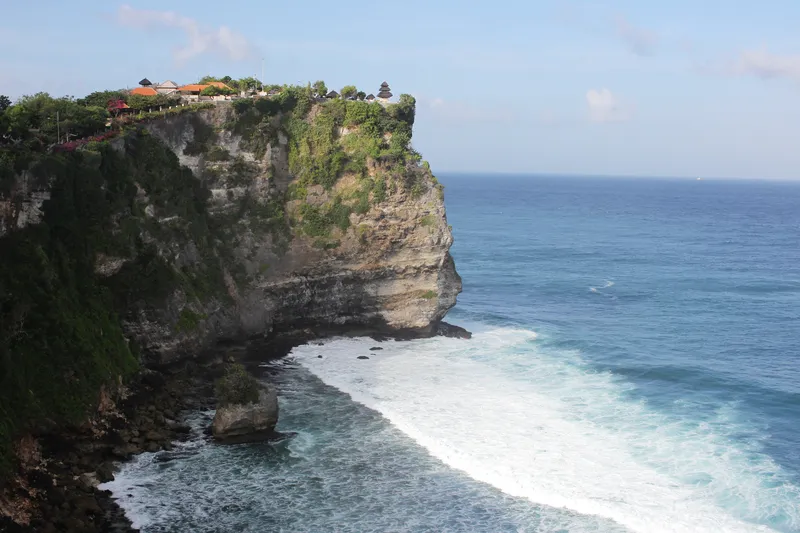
<point>384,92</point>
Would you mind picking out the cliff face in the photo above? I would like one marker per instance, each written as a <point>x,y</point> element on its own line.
<point>243,220</point>
<point>382,263</point>
<point>226,223</point>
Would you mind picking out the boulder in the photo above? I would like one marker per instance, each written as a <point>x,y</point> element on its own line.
<point>449,330</point>
<point>87,482</point>
<point>56,496</point>
<point>105,473</point>
<point>125,451</point>
<point>86,504</point>
<point>154,435</point>
<point>247,422</point>
<point>177,427</point>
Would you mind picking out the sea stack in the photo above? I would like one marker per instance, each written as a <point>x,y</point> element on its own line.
<point>247,411</point>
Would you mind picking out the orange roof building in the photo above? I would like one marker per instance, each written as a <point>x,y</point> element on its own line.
<point>193,88</point>
<point>144,91</point>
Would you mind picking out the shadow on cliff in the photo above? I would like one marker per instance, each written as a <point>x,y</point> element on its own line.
<point>320,309</point>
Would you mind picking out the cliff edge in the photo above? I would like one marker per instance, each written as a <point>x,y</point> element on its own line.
<point>239,220</point>
<point>307,244</point>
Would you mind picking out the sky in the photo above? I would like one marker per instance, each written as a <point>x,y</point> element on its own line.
<point>615,87</point>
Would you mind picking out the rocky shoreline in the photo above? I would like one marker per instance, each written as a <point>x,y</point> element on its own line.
<point>57,488</point>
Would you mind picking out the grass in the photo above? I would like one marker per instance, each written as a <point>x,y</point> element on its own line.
<point>428,221</point>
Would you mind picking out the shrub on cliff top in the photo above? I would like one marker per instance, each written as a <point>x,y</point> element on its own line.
<point>236,387</point>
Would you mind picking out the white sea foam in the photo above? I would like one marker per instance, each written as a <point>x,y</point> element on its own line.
<point>133,487</point>
<point>607,285</point>
<point>545,427</point>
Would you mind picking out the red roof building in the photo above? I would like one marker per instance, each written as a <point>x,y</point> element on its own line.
<point>144,91</point>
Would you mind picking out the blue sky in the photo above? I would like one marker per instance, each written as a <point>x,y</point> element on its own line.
<point>577,87</point>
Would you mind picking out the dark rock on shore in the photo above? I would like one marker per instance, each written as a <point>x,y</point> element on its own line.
<point>62,494</point>
<point>449,330</point>
<point>105,472</point>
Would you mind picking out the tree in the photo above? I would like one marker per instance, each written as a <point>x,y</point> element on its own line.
<point>361,95</point>
<point>213,90</point>
<point>319,88</point>
<point>101,98</point>
<point>349,91</point>
<point>50,119</point>
<point>5,103</point>
<point>405,109</point>
<point>141,103</point>
<point>207,79</point>
<point>83,121</point>
<point>248,84</point>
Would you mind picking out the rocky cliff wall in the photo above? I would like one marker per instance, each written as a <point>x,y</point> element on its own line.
<point>386,265</point>
<point>221,224</point>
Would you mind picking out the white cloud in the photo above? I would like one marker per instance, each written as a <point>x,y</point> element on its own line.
<point>638,40</point>
<point>222,40</point>
<point>765,65</point>
<point>605,107</point>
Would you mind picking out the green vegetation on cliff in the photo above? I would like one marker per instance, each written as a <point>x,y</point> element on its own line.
<point>60,333</point>
<point>330,139</point>
<point>120,211</point>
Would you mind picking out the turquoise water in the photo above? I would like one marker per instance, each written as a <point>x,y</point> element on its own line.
<point>634,367</point>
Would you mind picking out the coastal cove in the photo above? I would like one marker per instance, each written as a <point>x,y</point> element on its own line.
<point>131,260</point>
<point>418,267</point>
<point>586,400</point>
<point>631,365</point>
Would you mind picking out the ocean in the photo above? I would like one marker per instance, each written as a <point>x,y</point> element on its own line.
<point>635,367</point>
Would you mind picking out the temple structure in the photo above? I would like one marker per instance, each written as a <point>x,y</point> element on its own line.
<point>385,93</point>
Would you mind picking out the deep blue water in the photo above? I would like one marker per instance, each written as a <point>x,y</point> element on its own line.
<point>634,367</point>
<point>705,301</point>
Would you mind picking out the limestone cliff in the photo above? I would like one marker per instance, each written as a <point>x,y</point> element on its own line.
<point>386,265</point>
<point>232,222</point>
